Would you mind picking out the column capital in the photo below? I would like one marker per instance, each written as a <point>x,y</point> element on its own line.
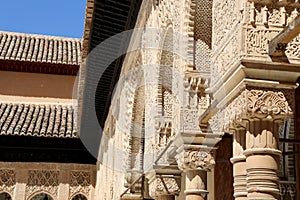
<point>195,159</point>
<point>254,103</point>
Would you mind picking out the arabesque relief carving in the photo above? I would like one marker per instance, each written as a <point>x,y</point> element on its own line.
<point>254,103</point>
<point>221,26</point>
<point>258,41</point>
<point>7,181</point>
<point>195,159</point>
<point>80,182</point>
<point>42,180</point>
<point>167,185</point>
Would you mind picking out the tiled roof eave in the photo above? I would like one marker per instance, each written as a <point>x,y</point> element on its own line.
<point>40,48</point>
<point>38,120</point>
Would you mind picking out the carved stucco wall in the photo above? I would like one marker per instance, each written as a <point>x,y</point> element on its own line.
<point>141,69</point>
<point>61,181</point>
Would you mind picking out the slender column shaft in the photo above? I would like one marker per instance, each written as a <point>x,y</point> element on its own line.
<point>239,165</point>
<point>196,181</point>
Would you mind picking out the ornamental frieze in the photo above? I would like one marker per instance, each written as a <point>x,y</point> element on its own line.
<point>271,13</point>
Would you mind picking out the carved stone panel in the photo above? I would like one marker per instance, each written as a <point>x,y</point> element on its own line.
<point>255,103</point>
<point>7,181</point>
<point>257,42</point>
<point>190,120</point>
<point>42,180</point>
<point>80,182</point>
<point>223,25</point>
<point>163,185</point>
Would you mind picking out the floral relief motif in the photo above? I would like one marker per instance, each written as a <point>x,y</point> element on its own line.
<point>193,159</point>
<point>267,103</point>
<point>253,103</point>
<point>7,180</point>
<point>42,180</point>
<point>80,183</point>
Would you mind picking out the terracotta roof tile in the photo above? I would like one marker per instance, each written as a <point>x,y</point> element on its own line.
<point>40,48</point>
<point>37,120</point>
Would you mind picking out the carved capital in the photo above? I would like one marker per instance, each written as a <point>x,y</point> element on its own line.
<point>267,104</point>
<point>166,185</point>
<point>254,103</point>
<point>195,159</point>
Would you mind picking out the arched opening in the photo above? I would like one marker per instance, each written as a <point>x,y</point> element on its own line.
<point>5,196</point>
<point>42,196</point>
<point>165,98</point>
<point>79,197</point>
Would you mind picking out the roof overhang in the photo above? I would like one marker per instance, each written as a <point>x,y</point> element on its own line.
<point>104,19</point>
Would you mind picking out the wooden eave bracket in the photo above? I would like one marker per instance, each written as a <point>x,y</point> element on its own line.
<point>278,45</point>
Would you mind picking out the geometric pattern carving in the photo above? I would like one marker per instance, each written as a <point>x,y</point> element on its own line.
<point>42,180</point>
<point>80,183</point>
<point>203,19</point>
<point>7,181</point>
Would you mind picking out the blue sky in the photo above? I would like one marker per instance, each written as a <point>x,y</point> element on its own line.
<point>48,17</point>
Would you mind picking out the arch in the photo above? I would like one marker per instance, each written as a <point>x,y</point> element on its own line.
<point>79,197</point>
<point>41,196</point>
<point>166,72</point>
<point>165,88</point>
<point>5,196</point>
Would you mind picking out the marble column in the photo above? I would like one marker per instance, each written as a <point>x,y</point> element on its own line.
<point>196,182</point>
<point>196,163</point>
<point>239,164</point>
<point>255,116</point>
<point>262,159</point>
